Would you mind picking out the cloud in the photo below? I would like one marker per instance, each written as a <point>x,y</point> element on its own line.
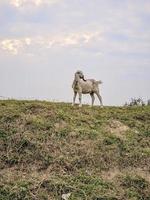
<point>27,41</point>
<point>22,3</point>
<point>16,46</point>
<point>13,46</point>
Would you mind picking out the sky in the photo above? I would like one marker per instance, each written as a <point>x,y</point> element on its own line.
<point>44,42</point>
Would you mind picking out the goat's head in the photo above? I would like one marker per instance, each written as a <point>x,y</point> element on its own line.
<point>79,75</point>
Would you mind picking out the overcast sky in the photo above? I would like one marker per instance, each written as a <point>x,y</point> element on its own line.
<point>43,43</point>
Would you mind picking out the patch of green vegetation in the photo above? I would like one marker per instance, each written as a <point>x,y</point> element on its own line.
<point>3,134</point>
<point>18,190</point>
<point>111,140</point>
<point>136,187</point>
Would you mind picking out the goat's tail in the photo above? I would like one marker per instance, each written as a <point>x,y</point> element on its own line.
<point>99,82</point>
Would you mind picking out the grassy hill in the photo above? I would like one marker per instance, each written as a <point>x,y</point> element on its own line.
<point>51,149</point>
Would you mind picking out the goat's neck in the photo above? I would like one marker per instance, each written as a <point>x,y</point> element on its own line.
<point>81,79</point>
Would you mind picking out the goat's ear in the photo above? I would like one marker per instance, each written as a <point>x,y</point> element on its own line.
<point>84,78</point>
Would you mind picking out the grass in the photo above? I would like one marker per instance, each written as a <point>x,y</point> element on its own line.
<point>49,149</point>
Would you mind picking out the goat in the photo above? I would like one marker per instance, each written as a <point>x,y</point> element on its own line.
<point>82,86</point>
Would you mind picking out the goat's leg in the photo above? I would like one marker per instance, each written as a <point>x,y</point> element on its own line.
<point>100,98</point>
<point>74,98</point>
<point>93,98</point>
<point>80,99</point>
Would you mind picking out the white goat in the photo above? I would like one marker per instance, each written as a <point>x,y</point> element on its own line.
<point>82,86</point>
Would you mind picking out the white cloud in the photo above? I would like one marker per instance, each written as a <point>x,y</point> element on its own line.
<point>22,3</point>
<point>11,46</point>
<point>74,39</point>
<point>27,41</point>
<point>16,46</point>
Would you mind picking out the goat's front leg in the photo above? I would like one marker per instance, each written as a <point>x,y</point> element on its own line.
<point>93,98</point>
<point>74,98</point>
<point>80,99</point>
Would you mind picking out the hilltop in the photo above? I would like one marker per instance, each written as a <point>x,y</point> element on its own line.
<point>50,149</point>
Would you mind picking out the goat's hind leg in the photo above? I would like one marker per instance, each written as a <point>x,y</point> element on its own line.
<point>100,98</point>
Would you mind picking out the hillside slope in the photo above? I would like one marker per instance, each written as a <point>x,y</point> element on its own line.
<point>48,150</point>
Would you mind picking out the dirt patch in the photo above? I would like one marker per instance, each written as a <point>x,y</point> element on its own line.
<point>117,128</point>
<point>111,174</point>
<point>115,172</point>
<point>60,125</point>
<point>143,173</point>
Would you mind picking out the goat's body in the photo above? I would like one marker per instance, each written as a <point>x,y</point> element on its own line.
<point>89,86</point>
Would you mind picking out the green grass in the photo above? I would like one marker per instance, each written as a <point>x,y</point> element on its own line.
<point>49,149</point>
